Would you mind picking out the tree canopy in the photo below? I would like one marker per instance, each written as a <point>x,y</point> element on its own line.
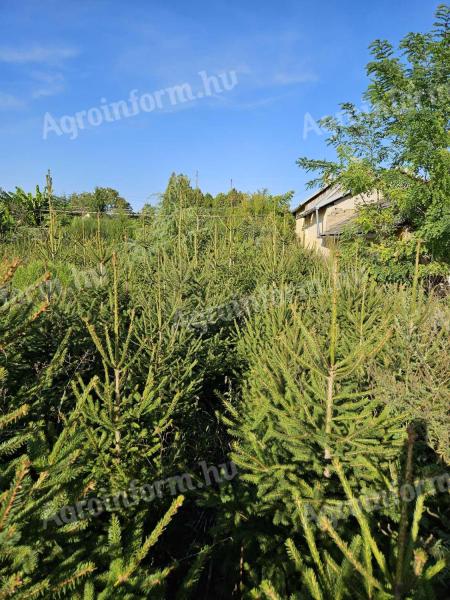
<point>398,146</point>
<point>100,200</point>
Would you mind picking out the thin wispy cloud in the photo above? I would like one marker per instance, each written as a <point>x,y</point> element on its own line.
<point>293,78</point>
<point>264,61</point>
<point>276,60</point>
<point>246,102</point>
<point>10,102</point>
<point>45,81</point>
<point>37,54</point>
<point>48,84</point>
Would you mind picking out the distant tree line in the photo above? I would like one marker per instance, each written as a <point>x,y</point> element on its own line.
<point>20,208</point>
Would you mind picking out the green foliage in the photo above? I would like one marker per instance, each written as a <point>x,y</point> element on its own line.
<point>309,395</point>
<point>332,379</point>
<point>134,349</point>
<point>398,146</point>
<point>6,218</point>
<point>27,208</point>
<point>100,200</point>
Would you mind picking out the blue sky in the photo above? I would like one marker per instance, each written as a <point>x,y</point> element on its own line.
<point>294,61</point>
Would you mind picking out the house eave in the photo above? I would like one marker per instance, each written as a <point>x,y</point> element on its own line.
<point>314,195</point>
<point>327,200</point>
